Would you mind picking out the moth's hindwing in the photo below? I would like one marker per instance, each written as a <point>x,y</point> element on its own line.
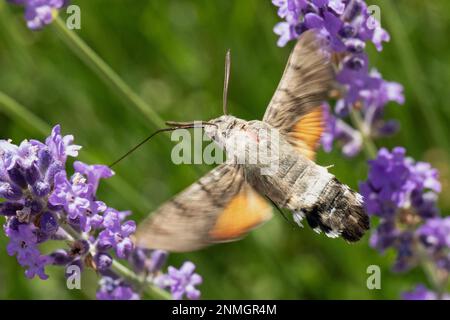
<point>245,211</point>
<point>296,106</point>
<point>219,207</point>
<point>305,134</point>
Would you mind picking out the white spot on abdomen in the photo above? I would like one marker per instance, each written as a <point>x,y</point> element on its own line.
<point>320,178</point>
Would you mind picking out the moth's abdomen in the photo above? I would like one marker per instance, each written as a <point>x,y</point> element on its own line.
<point>311,192</point>
<point>338,211</point>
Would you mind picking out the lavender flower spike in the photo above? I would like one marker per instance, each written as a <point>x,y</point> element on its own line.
<point>347,26</point>
<point>39,13</point>
<point>42,202</point>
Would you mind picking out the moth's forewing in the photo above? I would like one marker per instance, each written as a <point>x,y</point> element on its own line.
<point>296,106</point>
<point>219,207</point>
<point>307,189</point>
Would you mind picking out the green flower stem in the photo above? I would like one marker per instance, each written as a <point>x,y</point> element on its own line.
<point>369,146</point>
<point>106,72</point>
<point>430,271</point>
<point>149,288</point>
<point>122,270</point>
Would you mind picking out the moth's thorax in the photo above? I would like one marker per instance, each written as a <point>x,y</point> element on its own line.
<point>249,143</point>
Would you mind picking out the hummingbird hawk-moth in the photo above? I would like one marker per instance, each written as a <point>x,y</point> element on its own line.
<point>232,199</point>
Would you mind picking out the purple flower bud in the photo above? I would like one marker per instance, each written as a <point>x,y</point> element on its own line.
<point>12,226</point>
<point>124,248</point>
<point>347,31</point>
<point>313,21</point>
<point>104,245</point>
<point>17,177</point>
<point>320,3</point>
<point>158,259</point>
<point>338,6</point>
<point>355,45</point>
<point>32,174</point>
<point>53,169</point>
<point>354,9</point>
<point>103,261</point>
<point>10,209</point>
<point>41,188</point>
<point>44,159</point>
<point>138,259</point>
<point>425,203</point>
<point>10,191</point>
<point>48,223</point>
<point>149,260</point>
<point>60,257</point>
<point>355,63</point>
<point>54,208</point>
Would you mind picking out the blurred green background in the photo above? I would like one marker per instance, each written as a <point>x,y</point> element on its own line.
<point>171,53</point>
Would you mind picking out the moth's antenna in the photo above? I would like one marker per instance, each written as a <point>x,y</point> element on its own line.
<point>176,126</point>
<point>226,81</point>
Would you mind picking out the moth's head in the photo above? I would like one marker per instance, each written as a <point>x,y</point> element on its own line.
<point>220,128</point>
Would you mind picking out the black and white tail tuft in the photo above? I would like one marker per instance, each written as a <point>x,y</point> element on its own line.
<point>338,212</point>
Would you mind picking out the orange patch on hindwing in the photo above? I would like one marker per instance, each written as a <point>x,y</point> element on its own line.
<point>245,211</point>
